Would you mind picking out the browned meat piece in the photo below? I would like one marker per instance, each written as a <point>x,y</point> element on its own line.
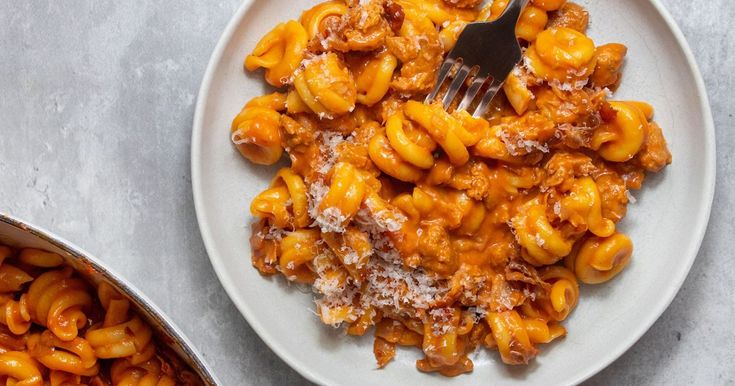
<point>654,154</point>
<point>570,15</point>
<point>563,167</point>
<point>613,193</point>
<point>609,61</point>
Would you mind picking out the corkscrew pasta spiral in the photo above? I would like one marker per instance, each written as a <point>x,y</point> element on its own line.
<point>20,369</point>
<point>13,277</point>
<point>285,203</point>
<point>542,243</point>
<point>563,294</point>
<point>119,335</point>
<point>620,139</point>
<point>50,333</point>
<point>256,132</point>
<point>130,339</point>
<point>315,20</point>
<point>562,55</point>
<point>296,250</point>
<point>326,86</point>
<point>16,316</point>
<point>564,48</point>
<point>112,339</point>
<point>58,301</point>
<point>279,52</point>
<point>373,81</point>
<point>600,259</point>
<point>511,336</point>
<point>403,150</point>
<point>585,205</point>
<point>61,378</point>
<point>124,372</point>
<point>343,198</point>
<point>443,343</point>
<point>75,356</point>
<point>273,205</point>
<point>388,160</point>
<point>444,129</point>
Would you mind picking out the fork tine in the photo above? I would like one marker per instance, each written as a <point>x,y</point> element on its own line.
<point>472,92</point>
<point>457,83</point>
<point>487,98</point>
<point>443,73</point>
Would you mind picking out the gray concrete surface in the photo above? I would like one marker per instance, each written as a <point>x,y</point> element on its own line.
<point>96,105</point>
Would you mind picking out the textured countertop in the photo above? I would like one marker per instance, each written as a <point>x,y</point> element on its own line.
<point>96,105</point>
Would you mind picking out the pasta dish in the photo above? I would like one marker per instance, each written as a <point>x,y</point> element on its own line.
<point>443,231</point>
<point>56,329</point>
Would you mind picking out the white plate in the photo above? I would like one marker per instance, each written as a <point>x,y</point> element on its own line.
<point>666,225</point>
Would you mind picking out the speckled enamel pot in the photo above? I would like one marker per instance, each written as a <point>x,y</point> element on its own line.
<point>17,233</point>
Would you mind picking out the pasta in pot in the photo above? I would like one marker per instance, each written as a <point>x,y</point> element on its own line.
<point>58,330</point>
<point>445,232</point>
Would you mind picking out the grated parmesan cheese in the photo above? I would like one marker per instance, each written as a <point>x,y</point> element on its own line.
<point>350,256</point>
<point>330,220</point>
<point>375,225</point>
<point>539,240</point>
<point>374,222</point>
<point>569,86</point>
<point>273,234</point>
<point>317,191</point>
<point>441,319</point>
<point>328,286</point>
<point>393,287</point>
<point>237,140</point>
<point>328,154</point>
<point>630,196</point>
<point>516,147</point>
<point>363,18</point>
<point>577,72</point>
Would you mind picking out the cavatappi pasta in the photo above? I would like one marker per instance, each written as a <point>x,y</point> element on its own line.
<point>58,330</point>
<point>443,231</point>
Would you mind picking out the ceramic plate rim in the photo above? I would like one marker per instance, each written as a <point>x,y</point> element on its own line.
<point>605,360</point>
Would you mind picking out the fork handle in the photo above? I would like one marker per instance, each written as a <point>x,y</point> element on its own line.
<point>513,11</point>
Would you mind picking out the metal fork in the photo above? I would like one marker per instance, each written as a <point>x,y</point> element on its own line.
<point>492,48</point>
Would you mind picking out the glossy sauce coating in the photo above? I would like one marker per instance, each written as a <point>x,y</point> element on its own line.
<point>443,231</point>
